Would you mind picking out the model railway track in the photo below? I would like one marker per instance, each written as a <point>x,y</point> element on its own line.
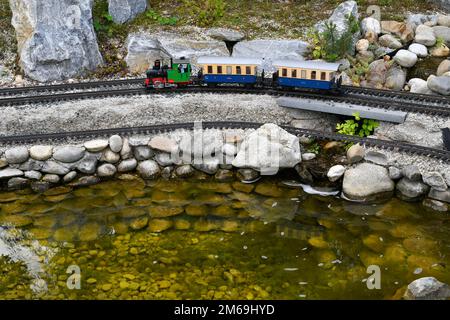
<point>161,128</point>
<point>9,92</point>
<point>434,105</point>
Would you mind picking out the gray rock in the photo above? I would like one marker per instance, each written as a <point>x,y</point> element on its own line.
<point>127,165</point>
<point>370,24</point>
<point>225,34</point>
<point>443,33</point>
<point>18,183</point>
<point>33,175</point>
<point>428,288</point>
<point>141,140</point>
<point>39,186</point>
<point>435,205</point>
<point>376,75</point>
<point>355,153</point>
<point>444,67</point>
<point>340,17</point>
<point>395,78</point>
<point>51,178</point>
<point>440,84</point>
<point>88,164</point>
<point>148,169</point>
<point>142,52</point>
<point>435,180</point>
<point>41,153</point>
<point>143,153</point>
<point>411,190</point>
<point>126,151</point>
<point>166,172</point>
<point>184,171</point>
<point>106,170</point>
<point>419,49</point>
<point>417,19</point>
<point>70,176</point>
<point>55,167</point>
<point>308,156</point>
<point>405,58</point>
<point>56,38</point>
<point>16,155</point>
<point>96,145</point>
<point>31,164</point>
<point>85,181</point>
<point>271,50</point>
<point>417,85</point>
<point>209,166</point>
<point>335,172</point>
<point>68,154</point>
<point>377,158</point>
<point>367,182</point>
<point>230,150</point>
<point>247,175</point>
<point>425,35</point>
<point>443,20</point>
<point>110,156</point>
<point>412,172</point>
<point>268,149</point>
<point>395,173</point>
<point>166,159</point>
<point>122,11</point>
<point>440,195</point>
<point>224,175</point>
<point>390,41</point>
<point>10,173</point>
<point>115,143</point>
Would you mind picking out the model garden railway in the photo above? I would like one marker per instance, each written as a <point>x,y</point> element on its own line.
<point>160,128</point>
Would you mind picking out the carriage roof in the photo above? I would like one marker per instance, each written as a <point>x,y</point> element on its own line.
<point>307,64</point>
<point>229,60</point>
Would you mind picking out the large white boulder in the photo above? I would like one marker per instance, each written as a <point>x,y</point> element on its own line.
<point>55,38</point>
<point>267,149</point>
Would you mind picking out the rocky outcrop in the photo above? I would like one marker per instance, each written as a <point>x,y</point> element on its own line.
<point>267,149</point>
<point>428,288</point>
<point>56,38</point>
<point>271,50</point>
<point>122,11</point>
<point>367,182</point>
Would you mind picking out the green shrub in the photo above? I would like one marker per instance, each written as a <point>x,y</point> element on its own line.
<point>331,46</point>
<point>164,21</point>
<point>204,12</point>
<point>357,126</point>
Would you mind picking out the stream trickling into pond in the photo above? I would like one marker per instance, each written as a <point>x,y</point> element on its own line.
<point>209,240</point>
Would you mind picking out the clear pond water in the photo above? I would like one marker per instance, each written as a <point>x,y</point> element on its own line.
<point>210,240</point>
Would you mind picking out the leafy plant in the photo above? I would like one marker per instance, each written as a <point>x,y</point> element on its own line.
<point>170,21</point>
<point>314,148</point>
<point>357,126</point>
<point>439,42</point>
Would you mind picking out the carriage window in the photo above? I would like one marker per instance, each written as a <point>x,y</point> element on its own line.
<point>303,74</point>
<point>210,69</point>
<point>294,73</point>
<point>229,69</point>
<point>238,70</point>
<point>313,75</point>
<point>219,69</point>
<point>248,70</point>
<point>323,76</point>
<point>284,72</point>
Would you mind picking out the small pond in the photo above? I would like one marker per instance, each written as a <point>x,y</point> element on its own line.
<point>190,239</point>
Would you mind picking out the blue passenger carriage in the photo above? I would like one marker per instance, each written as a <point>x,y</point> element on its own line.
<point>311,74</point>
<point>216,70</point>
